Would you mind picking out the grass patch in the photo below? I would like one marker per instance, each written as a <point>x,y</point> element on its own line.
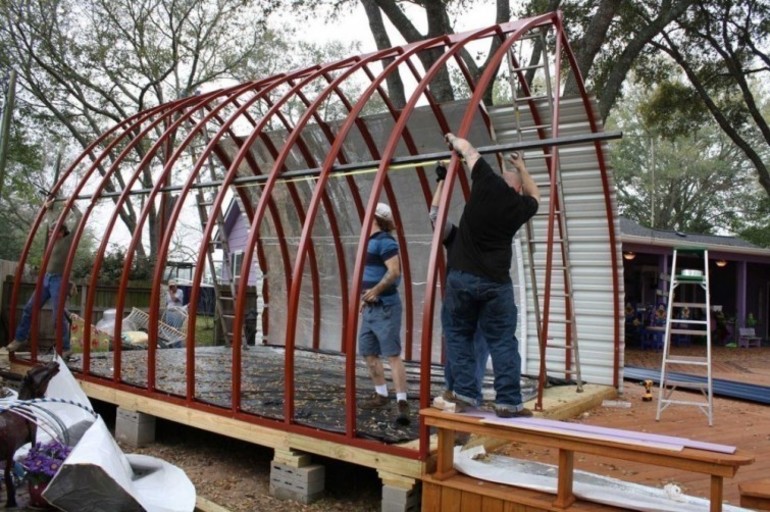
<point>205,331</point>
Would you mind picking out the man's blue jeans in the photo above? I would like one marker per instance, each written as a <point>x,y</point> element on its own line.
<point>472,302</point>
<point>481,351</point>
<point>51,290</point>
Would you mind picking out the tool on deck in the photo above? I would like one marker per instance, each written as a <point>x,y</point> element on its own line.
<point>647,396</point>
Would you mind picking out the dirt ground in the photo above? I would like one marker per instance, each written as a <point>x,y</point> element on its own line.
<point>236,475</point>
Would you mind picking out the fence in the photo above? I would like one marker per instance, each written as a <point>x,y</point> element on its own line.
<point>137,296</point>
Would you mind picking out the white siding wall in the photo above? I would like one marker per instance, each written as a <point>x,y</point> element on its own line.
<point>588,246</point>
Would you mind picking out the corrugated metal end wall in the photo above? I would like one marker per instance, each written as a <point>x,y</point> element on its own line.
<point>588,230</point>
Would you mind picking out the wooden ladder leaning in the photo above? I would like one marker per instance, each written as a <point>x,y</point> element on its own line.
<point>224,283</point>
<point>557,358</point>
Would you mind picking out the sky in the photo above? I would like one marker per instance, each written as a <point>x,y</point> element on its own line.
<point>355,26</point>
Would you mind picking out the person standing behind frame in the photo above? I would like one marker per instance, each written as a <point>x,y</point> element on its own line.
<point>175,313</point>
<point>380,332</point>
<point>52,282</point>
<point>480,348</point>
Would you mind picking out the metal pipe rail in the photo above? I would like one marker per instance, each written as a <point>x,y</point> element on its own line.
<point>404,161</point>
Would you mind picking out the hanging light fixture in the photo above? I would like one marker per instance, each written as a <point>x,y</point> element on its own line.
<point>721,263</point>
<point>629,255</point>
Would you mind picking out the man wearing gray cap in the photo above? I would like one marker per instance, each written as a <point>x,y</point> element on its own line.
<point>380,333</point>
<point>174,295</point>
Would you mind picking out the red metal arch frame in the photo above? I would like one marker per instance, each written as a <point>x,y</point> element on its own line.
<point>174,128</point>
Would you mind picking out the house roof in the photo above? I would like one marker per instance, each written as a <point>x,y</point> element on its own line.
<point>632,232</point>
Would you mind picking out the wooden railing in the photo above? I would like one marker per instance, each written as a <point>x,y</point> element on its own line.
<point>567,442</point>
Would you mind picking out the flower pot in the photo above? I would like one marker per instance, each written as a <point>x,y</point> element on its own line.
<point>36,499</point>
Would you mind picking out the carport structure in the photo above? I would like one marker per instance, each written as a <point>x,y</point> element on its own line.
<point>305,156</point>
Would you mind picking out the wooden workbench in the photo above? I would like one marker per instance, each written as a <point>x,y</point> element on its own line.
<point>568,442</point>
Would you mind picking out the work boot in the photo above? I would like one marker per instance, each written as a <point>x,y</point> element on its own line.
<point>403,413</point>
<point>504,412</point>
<point>18,346</point>
<point>455,404</point>
<point>376,401</point>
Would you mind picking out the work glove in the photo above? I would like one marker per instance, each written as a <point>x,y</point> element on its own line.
<point>440,173</point>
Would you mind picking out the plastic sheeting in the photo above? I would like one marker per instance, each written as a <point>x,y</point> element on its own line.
<point>586,486</point>
<point>97,476</point>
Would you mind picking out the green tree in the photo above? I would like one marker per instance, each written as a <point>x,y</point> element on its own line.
<point>21,200</point>
<point>722,48</point>
<point>754,227</point>
<point>610,37</point>
<point>85,65</point>
<point>719,45</point>
<point>693,180</point>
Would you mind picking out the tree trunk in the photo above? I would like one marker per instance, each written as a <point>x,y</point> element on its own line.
<point>595,35</point>
<point>440,87</point>
<point>381,39</point>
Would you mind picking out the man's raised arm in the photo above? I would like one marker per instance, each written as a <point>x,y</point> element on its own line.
<point>462,146</point>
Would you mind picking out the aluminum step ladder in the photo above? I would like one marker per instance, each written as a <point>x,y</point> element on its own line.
<point>557,358</point>
<point>688,293</point>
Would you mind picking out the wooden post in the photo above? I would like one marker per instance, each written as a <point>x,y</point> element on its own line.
<point>564,495</point>
<point>445,454</point>
<point>716,493</point>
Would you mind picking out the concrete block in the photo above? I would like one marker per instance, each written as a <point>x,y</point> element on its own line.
<point>397,499</point>
<point>134,428</point>
<point>388,506</point>
<point>288,494</point>
<point>305,484</point>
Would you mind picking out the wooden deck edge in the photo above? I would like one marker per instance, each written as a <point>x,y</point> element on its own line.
<point>255,434</point>
<point>755,494</point>
<point>760,488</point>
<point>567,403</point>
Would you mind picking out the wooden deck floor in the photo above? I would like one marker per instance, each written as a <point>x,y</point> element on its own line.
<point>738,423</point>
<point>749,365</point>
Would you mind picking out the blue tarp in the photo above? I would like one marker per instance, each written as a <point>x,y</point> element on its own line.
<point>720,387</point>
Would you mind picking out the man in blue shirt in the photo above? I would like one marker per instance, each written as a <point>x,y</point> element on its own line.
<point>479,291</point>
<point>380,333</point>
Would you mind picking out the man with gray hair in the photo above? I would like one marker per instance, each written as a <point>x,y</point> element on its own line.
<point>479,291</point>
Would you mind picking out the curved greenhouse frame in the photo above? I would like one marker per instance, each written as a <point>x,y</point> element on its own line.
<point>271,187</point>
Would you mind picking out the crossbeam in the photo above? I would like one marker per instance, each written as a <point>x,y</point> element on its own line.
<point>400,161</point>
